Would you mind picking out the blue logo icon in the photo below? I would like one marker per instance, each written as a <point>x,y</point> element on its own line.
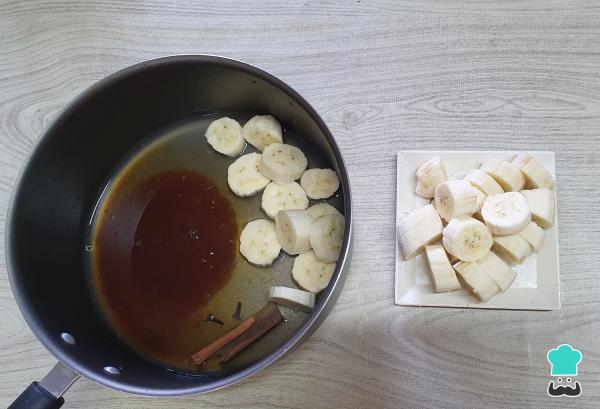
<point>563,361</point>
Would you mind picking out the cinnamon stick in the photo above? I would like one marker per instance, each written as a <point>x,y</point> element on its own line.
<point>266,319</point>
<point>220,342</point>
<point>241,336</point>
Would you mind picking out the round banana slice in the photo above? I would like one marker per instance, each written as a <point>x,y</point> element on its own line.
<point>326,236</point>
<point>310,273</point>
<point>261,131</point>
<point>506,213</point>
<point>322,209</point>
<point>225,136</point>
<point>258,242</point>
<point>244,177</point>
<point>283,163</point>
<point>283,196</point>
<point>293,298</point>
<point>293,228</point>
<point>467,239</point>
<point>319,183</point>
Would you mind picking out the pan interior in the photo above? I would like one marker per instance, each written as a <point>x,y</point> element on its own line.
<point>181,146</point>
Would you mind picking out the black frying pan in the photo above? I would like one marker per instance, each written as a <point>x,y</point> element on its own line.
<point>60,185</point>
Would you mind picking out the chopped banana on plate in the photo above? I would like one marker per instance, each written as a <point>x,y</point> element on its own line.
<point>418,229</point>
<point>442,273</point>
<point>455,198</point>
<point>479,224</point>
<point>429,175</point>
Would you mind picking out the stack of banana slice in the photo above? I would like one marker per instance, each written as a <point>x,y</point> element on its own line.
<point>475,228</point>
<point>314,234</point>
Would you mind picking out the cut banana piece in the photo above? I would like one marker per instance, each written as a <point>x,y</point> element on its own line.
<point>258,242</point>
<point>466,238</point>
<point>310,273</point>
<point>480,200</point>
<point>244,176</point>
<point>442,273</point>
<point>293,229</point>
<point>418,229</point>
<point>490,164</point>
<point>541,205</point>
<point>326,236</point>
<point>477,280</point>
<point>508,176</point>
<point>483,182</point>
<point>293,298</point>
<point>225,136</point>
<point>455,198</point>
<point>506,213</point>
<point>429,175</point>
<point>322,209</point>
<point>514,248</point>
<point>502,274</point>
<point>283,196</point>
<point>319,183</point>
<point>535,173</point>
<point>283,163</point>
<point>261,131</point>
<point>534,235</point>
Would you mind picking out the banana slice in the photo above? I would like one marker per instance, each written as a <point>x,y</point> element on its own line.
<point>455,198</point>
<point>293,228</point>
<point>322,209</point>
<point>502,274</point>
<point>541,205</point>
<point>442,273</point>
<point>514,248</point>
<point>319,183</point>
<point>508,176</point>
<point>261,131</point>
<point>429,175</point>
<point>258,242</point>
<point>293,298</point>
<point>283,196</point>
<point>225,136</point>
<point>466,238</point>
<point>506,213</point>
<point>480,200</point>
<point>489,165</point>
<point>534,235</point>
<point>326,236</point>
<point>244,177</point>
<point>283,163</point>
<point>535,173</point>
<point>310,273</point>
<point>477,280</point>
<point>417,230</point>
<point>483,182</point>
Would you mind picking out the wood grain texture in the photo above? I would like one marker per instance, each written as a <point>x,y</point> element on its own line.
<point>385,76</point>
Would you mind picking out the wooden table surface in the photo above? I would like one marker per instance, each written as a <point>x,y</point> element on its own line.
<point>385,76</point>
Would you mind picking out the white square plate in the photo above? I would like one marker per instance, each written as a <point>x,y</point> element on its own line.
<point>537,285</point>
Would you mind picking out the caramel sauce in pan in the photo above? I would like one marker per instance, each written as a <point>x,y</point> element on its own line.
<point>160,254</point>
<point>146,249</point>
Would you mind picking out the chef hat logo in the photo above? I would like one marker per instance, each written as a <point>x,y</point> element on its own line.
<point>564,360</point>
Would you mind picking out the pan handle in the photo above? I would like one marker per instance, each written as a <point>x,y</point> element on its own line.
<point>47,394</point>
